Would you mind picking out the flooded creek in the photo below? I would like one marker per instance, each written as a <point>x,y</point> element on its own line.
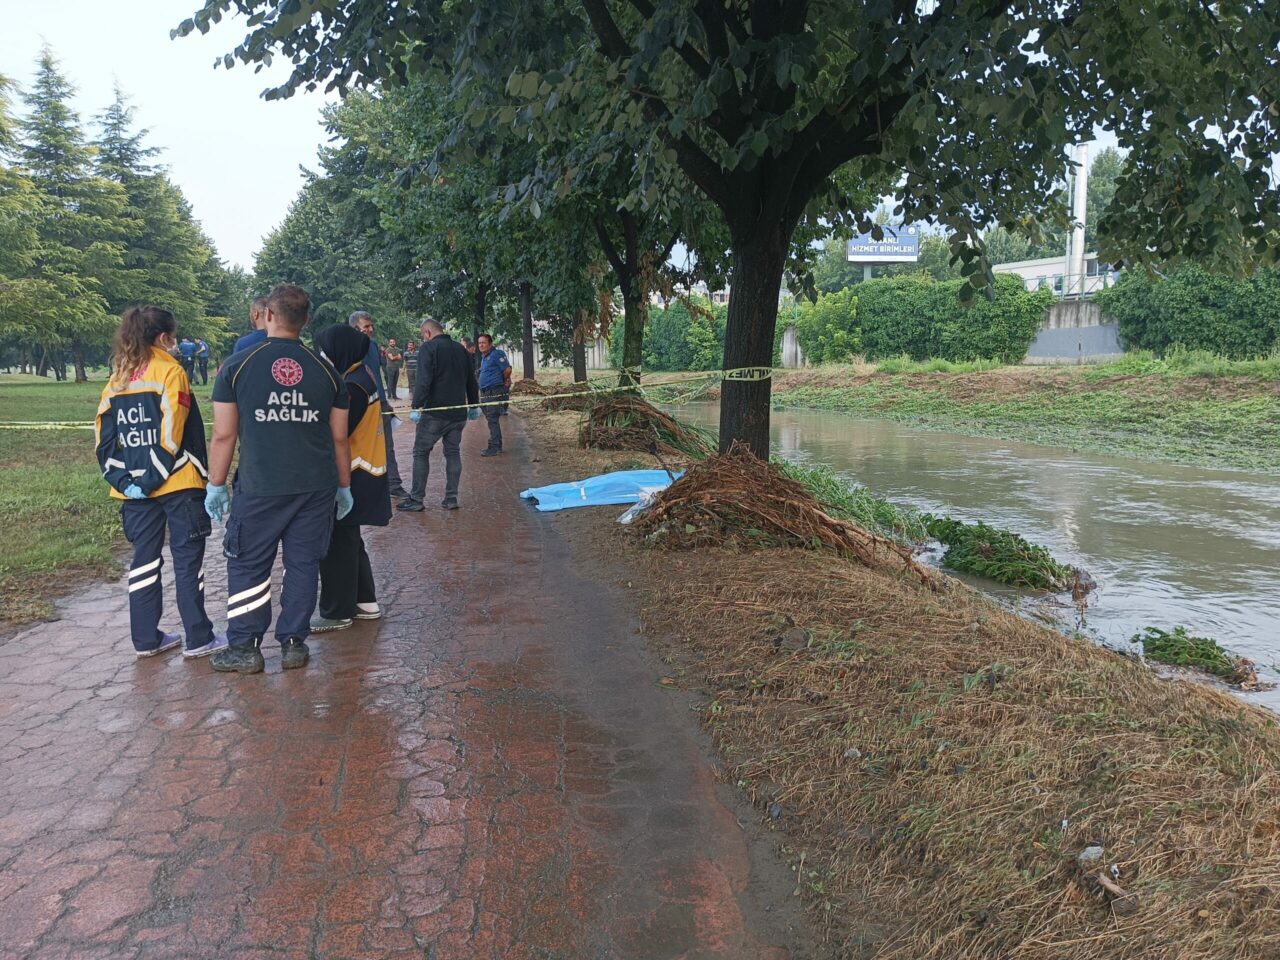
<point>1168,544</point>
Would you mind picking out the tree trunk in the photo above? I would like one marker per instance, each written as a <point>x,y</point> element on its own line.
<point>526,310</point>
<point>759,257</point>
<point>632,336</point>
<point>42,366</point>
<point>77,354</point>
<point>579,362</point>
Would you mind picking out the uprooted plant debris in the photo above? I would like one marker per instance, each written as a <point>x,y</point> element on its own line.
<point>529,388</point>
<point>737,498</point>
<point>1178,648</point>
<point>950,780</point>
<point>572,396</point>
<point>625,421</point>
<point>1003,556</point>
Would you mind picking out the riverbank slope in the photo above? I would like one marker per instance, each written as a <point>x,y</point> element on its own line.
<point>1232,419</point>
<point>936,767</point>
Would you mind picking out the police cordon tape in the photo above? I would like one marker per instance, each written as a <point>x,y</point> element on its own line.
<point>742,374</point>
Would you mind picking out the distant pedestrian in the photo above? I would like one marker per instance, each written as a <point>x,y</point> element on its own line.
<point>187,356</point>
<point>445,378</point>
<point>152,452</point>
<point>495,386</point>
<point>202,359</point>
<point>347,590</point>
<point>395,360</point>
<point>362,321</point>
<point>287,408</point>
<point>257,320</point>
<point>410,364</point>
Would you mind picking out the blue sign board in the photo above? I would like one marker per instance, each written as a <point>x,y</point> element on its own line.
<point>900,245</point>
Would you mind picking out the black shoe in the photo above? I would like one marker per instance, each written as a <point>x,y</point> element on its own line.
<point>237,660</point>
<point>293,654</point>
<point>410,506</point>
<point>399,491</point>
<point>491,452</point>
<point>449,503</point>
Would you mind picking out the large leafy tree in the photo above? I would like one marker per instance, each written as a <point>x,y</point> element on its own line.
<point>80,222</point>
<point>969,104</point>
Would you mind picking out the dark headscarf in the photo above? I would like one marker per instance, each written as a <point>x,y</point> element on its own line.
<point>344,346</point>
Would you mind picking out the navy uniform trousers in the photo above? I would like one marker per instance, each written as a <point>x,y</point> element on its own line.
<point>258,526</point>
<point>144,525</point>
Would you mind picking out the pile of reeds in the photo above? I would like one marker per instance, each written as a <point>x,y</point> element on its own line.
<point>737,498</point>
<point>956,782</point>
<point>529,388</point>
<point>571,396</point>
<point>626,421</point>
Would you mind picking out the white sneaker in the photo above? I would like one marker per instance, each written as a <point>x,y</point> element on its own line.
<point>219,642</point>
<point>368,611</point>
<point>168,642</point>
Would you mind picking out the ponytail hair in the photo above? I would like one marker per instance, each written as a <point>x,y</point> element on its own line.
<point>139,328</point>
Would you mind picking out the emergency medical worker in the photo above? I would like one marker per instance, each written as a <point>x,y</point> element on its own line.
<point>151,449</point>
<point>347,590</point>
<point>287,407</point>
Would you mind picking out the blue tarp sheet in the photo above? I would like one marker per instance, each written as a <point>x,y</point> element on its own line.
<point>623,486</point>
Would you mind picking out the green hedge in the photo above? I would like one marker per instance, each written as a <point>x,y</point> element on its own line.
<point>677,338</point>
<point>1193,308</point>
<point>917,316</point>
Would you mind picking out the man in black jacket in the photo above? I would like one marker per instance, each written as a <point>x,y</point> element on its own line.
<point>445,378</point>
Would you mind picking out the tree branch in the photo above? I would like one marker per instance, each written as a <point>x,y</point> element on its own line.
<point>666,251</point>
<point>610,251</point>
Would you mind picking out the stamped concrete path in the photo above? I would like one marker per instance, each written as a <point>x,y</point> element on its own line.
<point>489,772</point>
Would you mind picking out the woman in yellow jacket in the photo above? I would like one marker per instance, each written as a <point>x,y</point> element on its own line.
<point>151,449</point>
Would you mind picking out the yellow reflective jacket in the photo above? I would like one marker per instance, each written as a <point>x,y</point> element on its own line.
<point>150,432</point>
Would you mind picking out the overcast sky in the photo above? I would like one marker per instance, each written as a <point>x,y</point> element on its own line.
<point>234,155</point>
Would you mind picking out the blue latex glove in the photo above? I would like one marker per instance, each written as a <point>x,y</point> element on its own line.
<point>473,413</point>
<point>345,501</point>
<point>415,415</point>
<point>134,492</point>
<point>216,501</point>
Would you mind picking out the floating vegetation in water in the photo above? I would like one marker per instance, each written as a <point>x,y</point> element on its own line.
<point>1003,556</point>
<point>1178,648</point>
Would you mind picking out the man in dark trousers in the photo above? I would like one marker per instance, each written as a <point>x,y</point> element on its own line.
<point>202,359</point>
<point>495,384</point>
<point>445,378</point>
<point>287,407</point>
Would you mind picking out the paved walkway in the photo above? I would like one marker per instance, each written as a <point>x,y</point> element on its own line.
<point>490,772</point>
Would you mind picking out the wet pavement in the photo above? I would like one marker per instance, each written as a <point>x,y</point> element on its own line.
<point>489,772</point>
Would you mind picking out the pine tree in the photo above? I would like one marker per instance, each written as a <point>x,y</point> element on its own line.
<point>18,238</point>
<point>80,219</point>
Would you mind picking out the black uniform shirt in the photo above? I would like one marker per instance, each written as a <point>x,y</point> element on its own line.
<point>285,392</point>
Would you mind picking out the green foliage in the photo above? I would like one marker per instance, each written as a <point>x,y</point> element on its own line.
<point>850,502</point>
<point>1193,308</point>
<point>999,555</point>
<point>688,334</point>
<point>918,317</point>
<point>828,329</point>
<point>1179,648</point>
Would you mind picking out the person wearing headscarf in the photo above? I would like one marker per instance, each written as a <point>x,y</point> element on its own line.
<point>347,591</point>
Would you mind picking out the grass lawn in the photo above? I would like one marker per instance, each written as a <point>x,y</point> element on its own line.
<point>58,524</point>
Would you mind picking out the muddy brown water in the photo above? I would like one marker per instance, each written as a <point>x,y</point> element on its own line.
<point>1168,544</point>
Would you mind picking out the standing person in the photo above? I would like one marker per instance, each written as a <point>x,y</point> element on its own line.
<point>257,320</point>
<point>287,408</point>
<point>187,356</point>
<point>347,590</point>
<point>362,321</point>
<point>202,359</point>
<point>495,384</point>
<point>445,378</point>
<point>410,364</point>
<point>395,360</point>
<point>151,449</point>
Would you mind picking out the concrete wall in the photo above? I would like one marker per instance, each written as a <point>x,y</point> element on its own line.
<point>1083,344</point>
<point>1072,314</point>
<point>597,356</point>
<point>792,355</point>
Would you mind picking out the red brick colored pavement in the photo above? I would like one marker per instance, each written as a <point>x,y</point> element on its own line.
<point>489,772</point>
